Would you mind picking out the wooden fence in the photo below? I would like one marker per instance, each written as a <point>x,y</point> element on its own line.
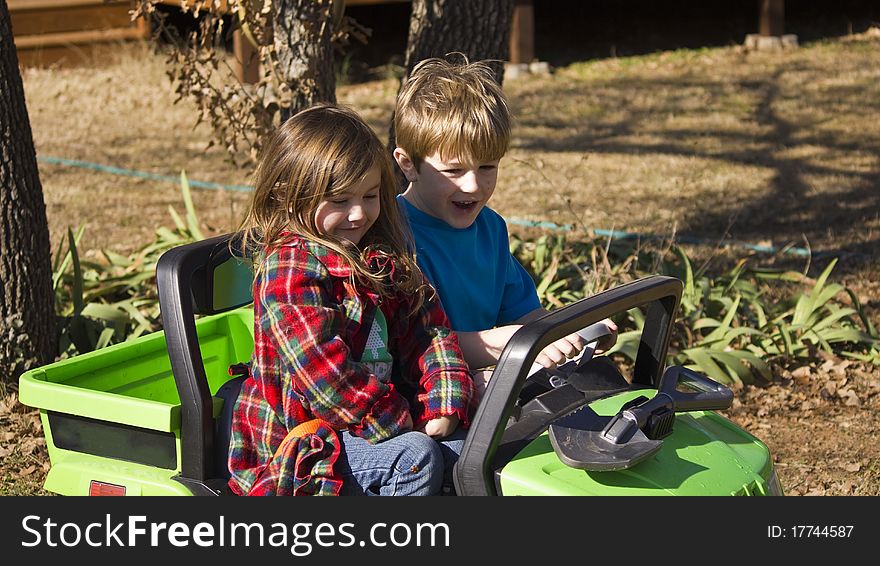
<point>49,30</point>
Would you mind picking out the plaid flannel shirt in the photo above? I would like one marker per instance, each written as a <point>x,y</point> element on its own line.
<point>311,326</point>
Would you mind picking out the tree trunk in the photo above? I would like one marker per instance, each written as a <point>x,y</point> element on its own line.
<point>27,317</point>
<point>303,30</point>
<point>478,28</point>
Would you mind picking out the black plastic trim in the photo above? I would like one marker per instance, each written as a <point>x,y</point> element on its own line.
<point>113,440</point>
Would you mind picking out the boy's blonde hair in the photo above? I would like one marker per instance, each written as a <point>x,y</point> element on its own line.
<point>320,152</point>
<point>456,108</point>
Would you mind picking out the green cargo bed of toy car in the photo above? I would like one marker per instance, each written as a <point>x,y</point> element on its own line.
<point>113,415</point>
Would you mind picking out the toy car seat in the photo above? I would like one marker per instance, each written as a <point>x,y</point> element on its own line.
<point>195,279</point>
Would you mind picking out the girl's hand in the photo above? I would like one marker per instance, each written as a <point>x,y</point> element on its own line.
<point>441,427</point>
<point>481,381</point>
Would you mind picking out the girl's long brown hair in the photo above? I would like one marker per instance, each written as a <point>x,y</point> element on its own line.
<point>316,154</point>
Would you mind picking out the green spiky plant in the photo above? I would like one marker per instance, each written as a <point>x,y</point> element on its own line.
<point>728,327</point>
<point>104,302</point>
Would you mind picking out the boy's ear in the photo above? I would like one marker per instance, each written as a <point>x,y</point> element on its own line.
<point>406,165</point>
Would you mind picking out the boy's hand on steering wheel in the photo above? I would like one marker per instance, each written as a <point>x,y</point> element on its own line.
<point>440,427</point>
<point>560,351</point>
<point>566,348</point>
<point>609,340</point>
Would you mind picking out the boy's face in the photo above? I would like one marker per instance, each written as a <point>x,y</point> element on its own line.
<point>452,190</point>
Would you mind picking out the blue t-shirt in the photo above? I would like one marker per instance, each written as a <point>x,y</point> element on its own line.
<point>480,284</point>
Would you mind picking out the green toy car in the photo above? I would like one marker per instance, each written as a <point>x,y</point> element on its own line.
<point>152,416</point>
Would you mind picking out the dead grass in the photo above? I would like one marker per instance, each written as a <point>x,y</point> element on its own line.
<point>22,449</point>
<point>122,114</point>
<point>775,147</point>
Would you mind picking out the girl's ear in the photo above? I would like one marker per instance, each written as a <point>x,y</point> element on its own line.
<point>406,165</point>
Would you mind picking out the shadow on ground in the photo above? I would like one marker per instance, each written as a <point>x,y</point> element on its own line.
<point>818,156</point>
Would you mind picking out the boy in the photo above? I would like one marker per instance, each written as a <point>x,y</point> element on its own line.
<point>452,126</point>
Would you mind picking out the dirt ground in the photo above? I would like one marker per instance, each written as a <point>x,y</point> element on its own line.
<point>778,149</point>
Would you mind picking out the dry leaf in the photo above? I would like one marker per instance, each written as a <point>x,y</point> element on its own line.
<point>6,405</point>
<point>803,371</point>
<point>835,366</point>
<point>830,388</point>
<point>850,399</point>
<point>27,471</point>
<point>852,467</point>
<point>801,375</point>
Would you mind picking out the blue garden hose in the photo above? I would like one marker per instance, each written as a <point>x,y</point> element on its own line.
<point>139,174</point>
<point>679,239</point>
<point>517,221</point>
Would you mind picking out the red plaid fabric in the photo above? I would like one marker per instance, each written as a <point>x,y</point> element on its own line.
<point>311,324</point>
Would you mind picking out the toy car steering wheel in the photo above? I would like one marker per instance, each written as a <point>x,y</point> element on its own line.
<point>503,423</point>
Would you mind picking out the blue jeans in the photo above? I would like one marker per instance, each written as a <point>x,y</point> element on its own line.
<point>410,464</point>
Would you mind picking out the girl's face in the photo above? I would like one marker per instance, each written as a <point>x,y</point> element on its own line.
<point>349,215</point>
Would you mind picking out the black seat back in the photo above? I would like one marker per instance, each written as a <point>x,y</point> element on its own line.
<point>200,278</point>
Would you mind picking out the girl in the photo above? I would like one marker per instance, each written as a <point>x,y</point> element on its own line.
<point>355,372</point>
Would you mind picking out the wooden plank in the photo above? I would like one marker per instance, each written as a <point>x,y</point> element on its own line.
<point>76,38</point>
<point>522,33</point>
<point>246,60</point>
<point>87,54</point>
<point>772,19</point>
<point>46,56</point>
<point>27,5</point>
<point>77,18</point>
<point>144,27</point>
<point>367,2</point>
